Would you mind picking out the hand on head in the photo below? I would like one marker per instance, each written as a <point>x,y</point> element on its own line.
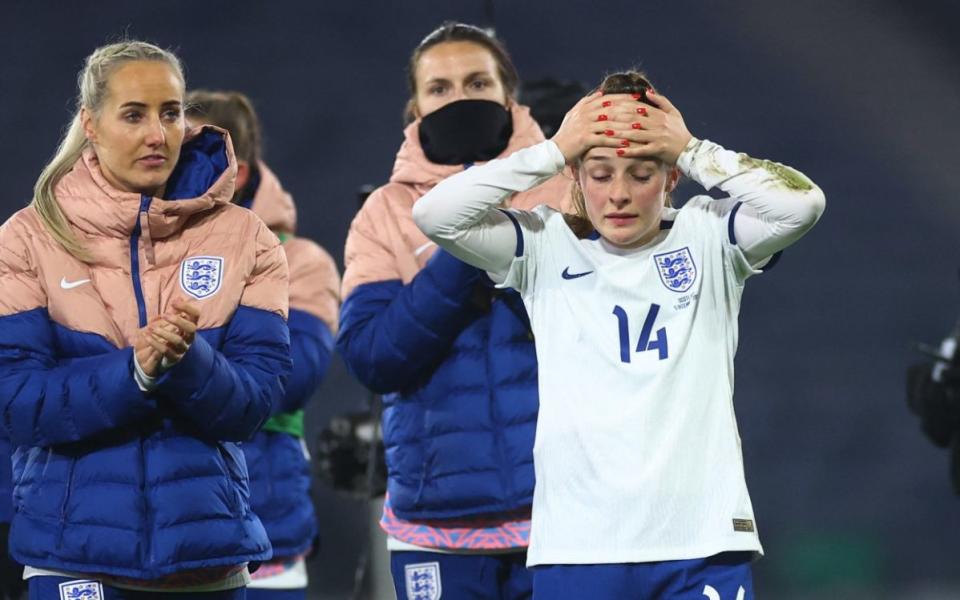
<point>167,337</point>
<point>622,121</point>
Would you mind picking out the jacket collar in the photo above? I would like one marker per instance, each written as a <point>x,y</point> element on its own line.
<point>203,178</point>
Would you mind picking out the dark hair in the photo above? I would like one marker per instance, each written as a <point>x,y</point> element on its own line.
<point>461,32</point>
<point>232,111</point>
<point>627,82</point>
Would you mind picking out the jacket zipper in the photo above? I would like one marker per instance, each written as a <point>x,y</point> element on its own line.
<point>135,261</point>
<point>142,316</point>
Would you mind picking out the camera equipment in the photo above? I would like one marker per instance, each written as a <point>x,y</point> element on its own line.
<point>350,454</point>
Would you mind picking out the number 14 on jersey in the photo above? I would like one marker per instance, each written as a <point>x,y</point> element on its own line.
<point>644,344</point>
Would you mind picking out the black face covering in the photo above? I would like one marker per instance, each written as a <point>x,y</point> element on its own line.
<point>466,131</point>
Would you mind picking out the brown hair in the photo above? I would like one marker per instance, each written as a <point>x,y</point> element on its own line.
<point>461,32</point>
<point>232,111</point>
<point>623,82</point>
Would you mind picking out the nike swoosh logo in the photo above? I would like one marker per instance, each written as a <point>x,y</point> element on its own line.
<point>568,275</point>
<point>69,285</point>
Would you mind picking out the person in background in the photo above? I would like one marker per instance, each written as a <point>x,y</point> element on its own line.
<point>640,485</point>
<point>277,456</point>
<point>453,358</point>
<point>143,334</point>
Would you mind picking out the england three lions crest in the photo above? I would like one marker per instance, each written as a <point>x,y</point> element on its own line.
<point>423,581</point>
<point>81,589</point>
<point>200,276</point>
<point>677,270</point>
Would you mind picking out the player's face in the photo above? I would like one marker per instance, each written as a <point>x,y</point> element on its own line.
<point>139,130</point>
<point>454,71</point>
<point>624,196</point>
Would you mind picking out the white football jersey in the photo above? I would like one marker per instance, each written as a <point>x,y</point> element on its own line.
<point>637,452</point>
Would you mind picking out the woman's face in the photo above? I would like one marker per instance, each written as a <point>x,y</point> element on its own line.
<point>453,71</point>
<point>139,130</point>
<point>624,196</point>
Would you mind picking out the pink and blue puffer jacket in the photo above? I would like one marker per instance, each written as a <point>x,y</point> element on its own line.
<point>109,479</point>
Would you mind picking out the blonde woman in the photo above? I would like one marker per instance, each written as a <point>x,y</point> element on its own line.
<point>142,334</point>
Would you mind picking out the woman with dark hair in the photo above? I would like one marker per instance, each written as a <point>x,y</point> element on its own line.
<point>142,336</point>
<point>276,457</point>
<point>640,486</point>
<point>453,358</point>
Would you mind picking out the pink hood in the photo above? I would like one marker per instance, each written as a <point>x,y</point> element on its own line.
<point>413,168</point>
<point>80,194</point>
<point>273,204</point>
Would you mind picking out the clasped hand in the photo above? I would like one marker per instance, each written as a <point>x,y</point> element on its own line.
<point>166,338</point>
<point>622,121</point>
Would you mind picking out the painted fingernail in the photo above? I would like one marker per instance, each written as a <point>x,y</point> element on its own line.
<point>637,126</point>
<point>642,110</point>
<point>602,118</point>
<point>624,143</point>
<point>651,91</point>
<point>606,104</point>
<point>637,96</point>
<point>608,132</point>
<point>621,151</point>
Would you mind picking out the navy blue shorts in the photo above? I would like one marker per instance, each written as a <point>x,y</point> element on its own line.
<point>724,576</point>
<point>68,588</point>
<point>427,575</point>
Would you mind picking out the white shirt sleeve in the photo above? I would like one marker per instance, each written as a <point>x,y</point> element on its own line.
<point>461,214</point>
<point>779,204</point>
<point>145,382</point>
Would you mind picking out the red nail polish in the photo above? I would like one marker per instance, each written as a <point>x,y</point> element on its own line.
<point>606,104</point>
<point>642,110</point>
<point>624,143</point>
<point>609,132</point>
<point>651,91</point>
<point>637,96</point>
<point>621,151</point>
<point>602,118</point>
<point>637,126</point>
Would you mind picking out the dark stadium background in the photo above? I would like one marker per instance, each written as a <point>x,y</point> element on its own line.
<point>864,97</point>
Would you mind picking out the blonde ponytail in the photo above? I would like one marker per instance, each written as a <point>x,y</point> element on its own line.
<point>44,201</point>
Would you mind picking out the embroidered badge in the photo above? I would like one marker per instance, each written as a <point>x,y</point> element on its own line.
<point>677,270</point>
<point>81,589</point>
<point>423,581</point>
<point>200,276</point>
